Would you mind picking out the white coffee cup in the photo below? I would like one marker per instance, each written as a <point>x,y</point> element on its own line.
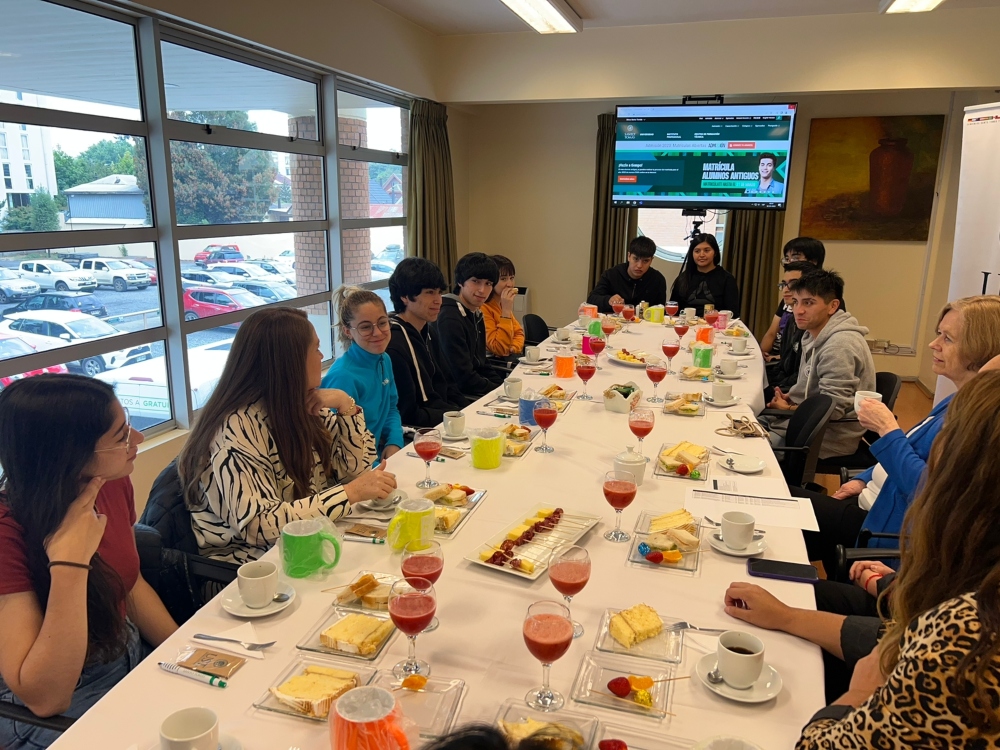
<point>454,423</point>
<point>722,392</point>
<point>583,321</point>
<point>258,583</point>
<point>728,366</point>
<point>562,334</point>
<point>512,388</point>
<point>533,353</point>
<point>862,395</point>
<point>741,659</point>
<point>190,729</point>
<point>737,529</point>
<point>739,345</point>
<point>689,313</point>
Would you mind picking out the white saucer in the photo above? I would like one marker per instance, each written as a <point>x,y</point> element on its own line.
<point>724,404</point>
<point>754,548</point>
<point>540,361</point>
<point>385,507</point>
<point>452,438</point>
<point>768,685</point>
<point>747,353</point>
<point>226,742</point>
<point>232,603</point>
<point>742,464</point>
<point>737,376</point>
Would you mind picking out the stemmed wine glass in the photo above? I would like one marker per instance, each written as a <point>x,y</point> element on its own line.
<point>680,330</point>
<point>545,414</point>
<point>640,421</point>
<point>548,634</point>
<point>656,372</point>
<point>597,345</point>
<point>412,604</point>
<point>619,491</point>
<point>617,307</point>
<point>427,443</point>
<point>628,312</point>
<point>672,308</point>
<point>586,368</point>
<point>569,571</point>
<point>670,350</point>
<point>608,327</point>
<point>423,559</point>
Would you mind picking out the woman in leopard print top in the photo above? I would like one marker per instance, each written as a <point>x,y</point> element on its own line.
<point>934,681</point>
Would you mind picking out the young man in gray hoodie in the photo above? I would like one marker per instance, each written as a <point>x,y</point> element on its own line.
<point>836,359</point>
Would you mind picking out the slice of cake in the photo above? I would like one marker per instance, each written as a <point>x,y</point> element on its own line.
<point>455,497</point>
<point>377,598</point>
<point>635,624</point>
<point>358,589</point>
<point>674,520</point>
<point>356,634</point>
<point>438,492</point>
<point>313,692</point>
<point>445,519</point>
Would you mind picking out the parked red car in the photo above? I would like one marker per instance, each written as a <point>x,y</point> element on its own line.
<point>12,346</point>
<point>204,302</point>
<point>143,266</point>
<point>222,253</point>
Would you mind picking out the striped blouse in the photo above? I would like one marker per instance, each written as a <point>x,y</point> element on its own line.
<point>247,496</point>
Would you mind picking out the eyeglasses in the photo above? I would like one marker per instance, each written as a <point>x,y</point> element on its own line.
<point>128,437</point>
<point>367,329</point>
<point>782,285</point>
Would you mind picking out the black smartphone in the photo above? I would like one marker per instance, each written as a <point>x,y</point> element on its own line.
<point>783,571</point>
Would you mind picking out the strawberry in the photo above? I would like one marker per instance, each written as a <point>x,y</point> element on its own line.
<point>655,557</point>
<point>612,745</point>
<point>620,687</point>
<point>683,470</point>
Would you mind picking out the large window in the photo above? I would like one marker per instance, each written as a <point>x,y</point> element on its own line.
<point>670,230</point>
<point>147,211</point>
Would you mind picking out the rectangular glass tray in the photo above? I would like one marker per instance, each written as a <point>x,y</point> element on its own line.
<point>690,562</point>
<point>640,741</point>
<point>597,669</point>
<point>666,646</point>
<point>267,702</point>
<point>386,578</point>
<point>516,711</point>
<point>433,709</point>
<point>311,642</point>
<point>659,471</point>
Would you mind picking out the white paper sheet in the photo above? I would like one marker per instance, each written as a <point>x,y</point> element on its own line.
<point>793,512</point>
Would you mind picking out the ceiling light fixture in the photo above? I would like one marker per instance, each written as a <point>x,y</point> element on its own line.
<point>547,16</point>
<point>907,6</point>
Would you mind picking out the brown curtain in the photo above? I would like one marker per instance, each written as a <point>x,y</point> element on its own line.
<point>430,227</point>
<point>753,256</point>
<point>613,228</point>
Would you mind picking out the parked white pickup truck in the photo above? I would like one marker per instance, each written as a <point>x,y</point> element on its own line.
<point>55,274</point>
<point>115,273</point>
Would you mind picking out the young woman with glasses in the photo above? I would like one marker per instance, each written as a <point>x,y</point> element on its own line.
<point>75,614</point>
<point>364,371</point>
<point>271,446</point>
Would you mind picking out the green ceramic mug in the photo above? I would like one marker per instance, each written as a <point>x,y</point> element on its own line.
<point>303,548</point>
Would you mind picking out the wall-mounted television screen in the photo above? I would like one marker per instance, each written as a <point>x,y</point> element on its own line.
<point>703,156</point>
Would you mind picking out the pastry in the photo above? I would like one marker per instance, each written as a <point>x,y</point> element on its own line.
<point>635,625</point>
<point>445,519</point>
<point>356,590</point>
<point>515,448</point>
<point>438,492</point>
<point>553,391</point>
<point>673,520</point>
<point>377,598</point>
<point>313,692</point>
<point>356,634</point>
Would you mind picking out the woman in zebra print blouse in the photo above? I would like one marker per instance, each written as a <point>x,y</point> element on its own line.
<point>270,446</point>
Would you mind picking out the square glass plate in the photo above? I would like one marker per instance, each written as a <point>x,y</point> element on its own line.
<point>433,709</point>
<point>268,702</point>
<point>357,606</point>
<point>668,397</point>
<point>639,741</point>
<point>515,711</point>
<point>666,646</point>
<point>690,562</point>
<point>659,471</point>
<point>597,669</point>
<point>313,643</point>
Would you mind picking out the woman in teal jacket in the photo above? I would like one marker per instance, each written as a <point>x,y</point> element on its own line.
<point>364,371</point>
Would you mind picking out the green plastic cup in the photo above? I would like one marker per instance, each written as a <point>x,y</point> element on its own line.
<point>304,546</point>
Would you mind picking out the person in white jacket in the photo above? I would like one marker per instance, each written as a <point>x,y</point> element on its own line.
<point>836,360</point>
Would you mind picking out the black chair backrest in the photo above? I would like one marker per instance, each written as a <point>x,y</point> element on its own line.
<point>535,330</point>
<point>166,512</point>
<point>805,430</point>
<point>887,384</point>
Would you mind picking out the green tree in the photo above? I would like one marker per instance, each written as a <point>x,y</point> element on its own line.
<point>44,214</point>
<point>18,219</point>
<point>107,157</point>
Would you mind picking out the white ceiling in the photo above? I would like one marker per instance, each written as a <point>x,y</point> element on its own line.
<point>492,16</point>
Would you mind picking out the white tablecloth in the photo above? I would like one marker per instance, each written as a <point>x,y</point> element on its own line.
<point>481,610</point>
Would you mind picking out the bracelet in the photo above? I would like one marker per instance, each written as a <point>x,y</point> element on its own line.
<point>69,564</point>
<point>872,578</point>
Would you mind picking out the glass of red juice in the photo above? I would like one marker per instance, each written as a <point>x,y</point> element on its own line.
<point>711,316</point>
<point>617,307</point>
<point>619,491</point>
<point>608,327</point>
<point>423,560</point>
<point>670,350</point>
<point>597,345</point>
<point>545,414</point>
<point>681,330</point>
<point>427,443</point>
<point>412,605</point>
<point>672,308</point>
<point>569,571</point>
<point>548,634</point>
<point>586,368</point>
<point>656,372</point>
<point>641,422</point>
<point>628,313</point>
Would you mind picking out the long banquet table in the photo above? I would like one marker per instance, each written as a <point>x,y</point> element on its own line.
<point>481,610</point>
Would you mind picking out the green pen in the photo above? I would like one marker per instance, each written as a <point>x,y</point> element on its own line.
<point>439,460</point>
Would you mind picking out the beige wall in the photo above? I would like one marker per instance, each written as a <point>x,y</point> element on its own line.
<point>855,52</point>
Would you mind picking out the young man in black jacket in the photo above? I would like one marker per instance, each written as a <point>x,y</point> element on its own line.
<point>631,282</point>
<point>460,330</point>
<point>425,391</point>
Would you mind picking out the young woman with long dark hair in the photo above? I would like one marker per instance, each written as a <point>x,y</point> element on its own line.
<point>72,602</point>
<point>935,679</point>
<point>703,280</point>
<point>504,335</point>
<point>271,446</point>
